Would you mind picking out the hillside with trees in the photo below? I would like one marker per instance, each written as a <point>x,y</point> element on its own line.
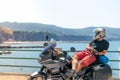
<point>38,32</point>
<point>5,34</point>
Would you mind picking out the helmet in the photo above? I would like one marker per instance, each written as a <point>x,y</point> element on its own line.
<point>99,33</point>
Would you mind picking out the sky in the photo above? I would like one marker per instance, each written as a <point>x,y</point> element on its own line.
<point>62,13</point>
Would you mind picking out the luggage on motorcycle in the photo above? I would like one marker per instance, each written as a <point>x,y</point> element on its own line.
<point>103,59</point>
<point>102,72</point>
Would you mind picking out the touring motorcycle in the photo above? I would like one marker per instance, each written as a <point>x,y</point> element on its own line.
<point>56,65</point>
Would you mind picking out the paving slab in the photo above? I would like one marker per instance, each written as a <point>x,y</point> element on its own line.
<point>17,76</point>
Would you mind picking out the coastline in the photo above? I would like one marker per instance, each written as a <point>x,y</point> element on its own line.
<point>19,42</point>
<point>22,42</point>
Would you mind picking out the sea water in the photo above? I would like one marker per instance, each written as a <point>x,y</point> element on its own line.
<point>114,45</point>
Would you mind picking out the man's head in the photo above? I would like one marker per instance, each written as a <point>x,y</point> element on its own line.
<point>99,33</point>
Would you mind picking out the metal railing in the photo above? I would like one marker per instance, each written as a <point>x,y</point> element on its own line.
<point>21,58</point>
<point>38,66</point>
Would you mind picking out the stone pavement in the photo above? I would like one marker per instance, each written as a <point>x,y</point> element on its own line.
<point>17,76</point>
<point>13,76</point>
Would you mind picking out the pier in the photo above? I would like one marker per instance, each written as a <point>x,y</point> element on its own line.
<point>21,46</point>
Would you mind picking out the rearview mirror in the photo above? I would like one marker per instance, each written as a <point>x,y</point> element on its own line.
<point>72,49</point>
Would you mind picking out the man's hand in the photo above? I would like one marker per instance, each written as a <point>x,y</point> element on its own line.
<point>93,51</point>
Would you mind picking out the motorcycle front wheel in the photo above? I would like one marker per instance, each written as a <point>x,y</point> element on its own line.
<point>40,77</point>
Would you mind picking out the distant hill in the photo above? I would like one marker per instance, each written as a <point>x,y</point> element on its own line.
<point>38,27</point>
<point>61,33</point>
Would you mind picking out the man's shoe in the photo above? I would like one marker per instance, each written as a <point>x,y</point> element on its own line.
<point>71,73</point>
<point>74,74</point>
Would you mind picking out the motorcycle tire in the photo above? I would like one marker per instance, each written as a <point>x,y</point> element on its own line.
<point>104,72</point>
<point>40,77</point>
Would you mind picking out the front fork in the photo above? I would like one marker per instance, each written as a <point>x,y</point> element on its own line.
<point>37,73</point>
<point>43,72</point>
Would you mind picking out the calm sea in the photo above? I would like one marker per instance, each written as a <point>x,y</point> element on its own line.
<point>114,46</point>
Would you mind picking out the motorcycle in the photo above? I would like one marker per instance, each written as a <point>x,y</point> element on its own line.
<point>56,65</point>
